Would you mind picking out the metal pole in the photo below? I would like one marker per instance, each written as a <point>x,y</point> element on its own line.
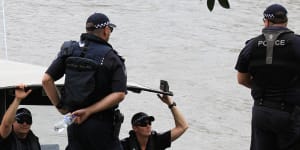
<point>4,30</point>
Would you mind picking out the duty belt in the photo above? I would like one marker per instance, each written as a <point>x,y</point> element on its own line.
<point>279,105</point>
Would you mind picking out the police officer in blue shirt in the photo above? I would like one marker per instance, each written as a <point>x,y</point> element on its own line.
<point>269,66</point>
<point>95,83</point>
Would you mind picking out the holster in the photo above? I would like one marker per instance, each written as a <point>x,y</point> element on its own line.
<point>118,120</point>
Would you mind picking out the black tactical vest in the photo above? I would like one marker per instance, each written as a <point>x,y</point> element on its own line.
<point>84,67</point>
<point>273,64</point>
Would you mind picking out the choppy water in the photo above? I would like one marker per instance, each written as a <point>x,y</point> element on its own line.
<point>179,41</point>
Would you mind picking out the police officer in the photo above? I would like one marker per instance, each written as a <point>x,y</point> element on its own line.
<point>15,128</point>
<point>94,123</point>
<point>142,137</point>
<point>269,66</point>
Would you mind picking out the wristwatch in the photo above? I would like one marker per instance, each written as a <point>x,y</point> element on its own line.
<point>172,105</point>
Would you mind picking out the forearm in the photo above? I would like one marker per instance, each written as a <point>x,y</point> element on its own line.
<point>50,89</point>
<point>178,118</point>
<point>107,102</point>
<point>247,84</point>
<point>180,123</point>
<point>9,118</point>
<point>244,79</point>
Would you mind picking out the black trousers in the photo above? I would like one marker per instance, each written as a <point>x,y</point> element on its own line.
<point>94,134</point>
<point>274,129</point>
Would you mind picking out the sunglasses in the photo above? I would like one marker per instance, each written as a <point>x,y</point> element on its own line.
<point>21,120</point>
<point>143,123</point>
<point>111,28</point>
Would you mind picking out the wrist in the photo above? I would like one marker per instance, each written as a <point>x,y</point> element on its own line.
<point>18,99</point>
<point>59,105</point>
<point>172,105</point>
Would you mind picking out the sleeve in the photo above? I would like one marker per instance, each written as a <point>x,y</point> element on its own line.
<point>57,69</point>
<point>242,64</point>
<point>1,140</point>
<point>5,143</point>
<point>125,143</point>
<point>119,77</point>
<point>163,140</point>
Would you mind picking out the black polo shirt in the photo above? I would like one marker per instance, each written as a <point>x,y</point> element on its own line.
<point>31,142</point>
<point>157,141</point>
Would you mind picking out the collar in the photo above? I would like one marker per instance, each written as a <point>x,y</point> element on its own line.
<point>94,38</point>
<point>274,28</point>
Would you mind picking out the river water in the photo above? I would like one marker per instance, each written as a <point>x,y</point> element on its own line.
<point>179,41</point>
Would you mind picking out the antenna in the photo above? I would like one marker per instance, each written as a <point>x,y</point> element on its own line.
<point>4,30</point>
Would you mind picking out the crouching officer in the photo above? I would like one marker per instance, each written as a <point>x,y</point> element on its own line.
<point>142,137</point>
<point>269,66</point>
<point>15,128</point>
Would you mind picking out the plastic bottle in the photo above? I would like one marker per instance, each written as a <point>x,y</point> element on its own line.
<point>63,124</point>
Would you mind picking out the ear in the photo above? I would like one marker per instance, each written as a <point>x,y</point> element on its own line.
<point>267,23</point>
<point>106,31</point>
<point>134,128</point>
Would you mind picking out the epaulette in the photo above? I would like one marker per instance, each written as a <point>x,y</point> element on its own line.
<point>67,48</point>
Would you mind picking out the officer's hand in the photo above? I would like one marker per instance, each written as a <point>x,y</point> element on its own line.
<point>165,98</point>
<point>63,111</point>
<point>81,115</point>
<point>20,92</point>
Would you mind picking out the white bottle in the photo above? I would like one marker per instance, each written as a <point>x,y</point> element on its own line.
<point>61,125</point>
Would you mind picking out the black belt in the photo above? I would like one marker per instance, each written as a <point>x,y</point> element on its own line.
<point>279,105</point>
<point>106,115</point>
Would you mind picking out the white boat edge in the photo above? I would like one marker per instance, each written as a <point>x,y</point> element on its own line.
<point>14,73</point>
